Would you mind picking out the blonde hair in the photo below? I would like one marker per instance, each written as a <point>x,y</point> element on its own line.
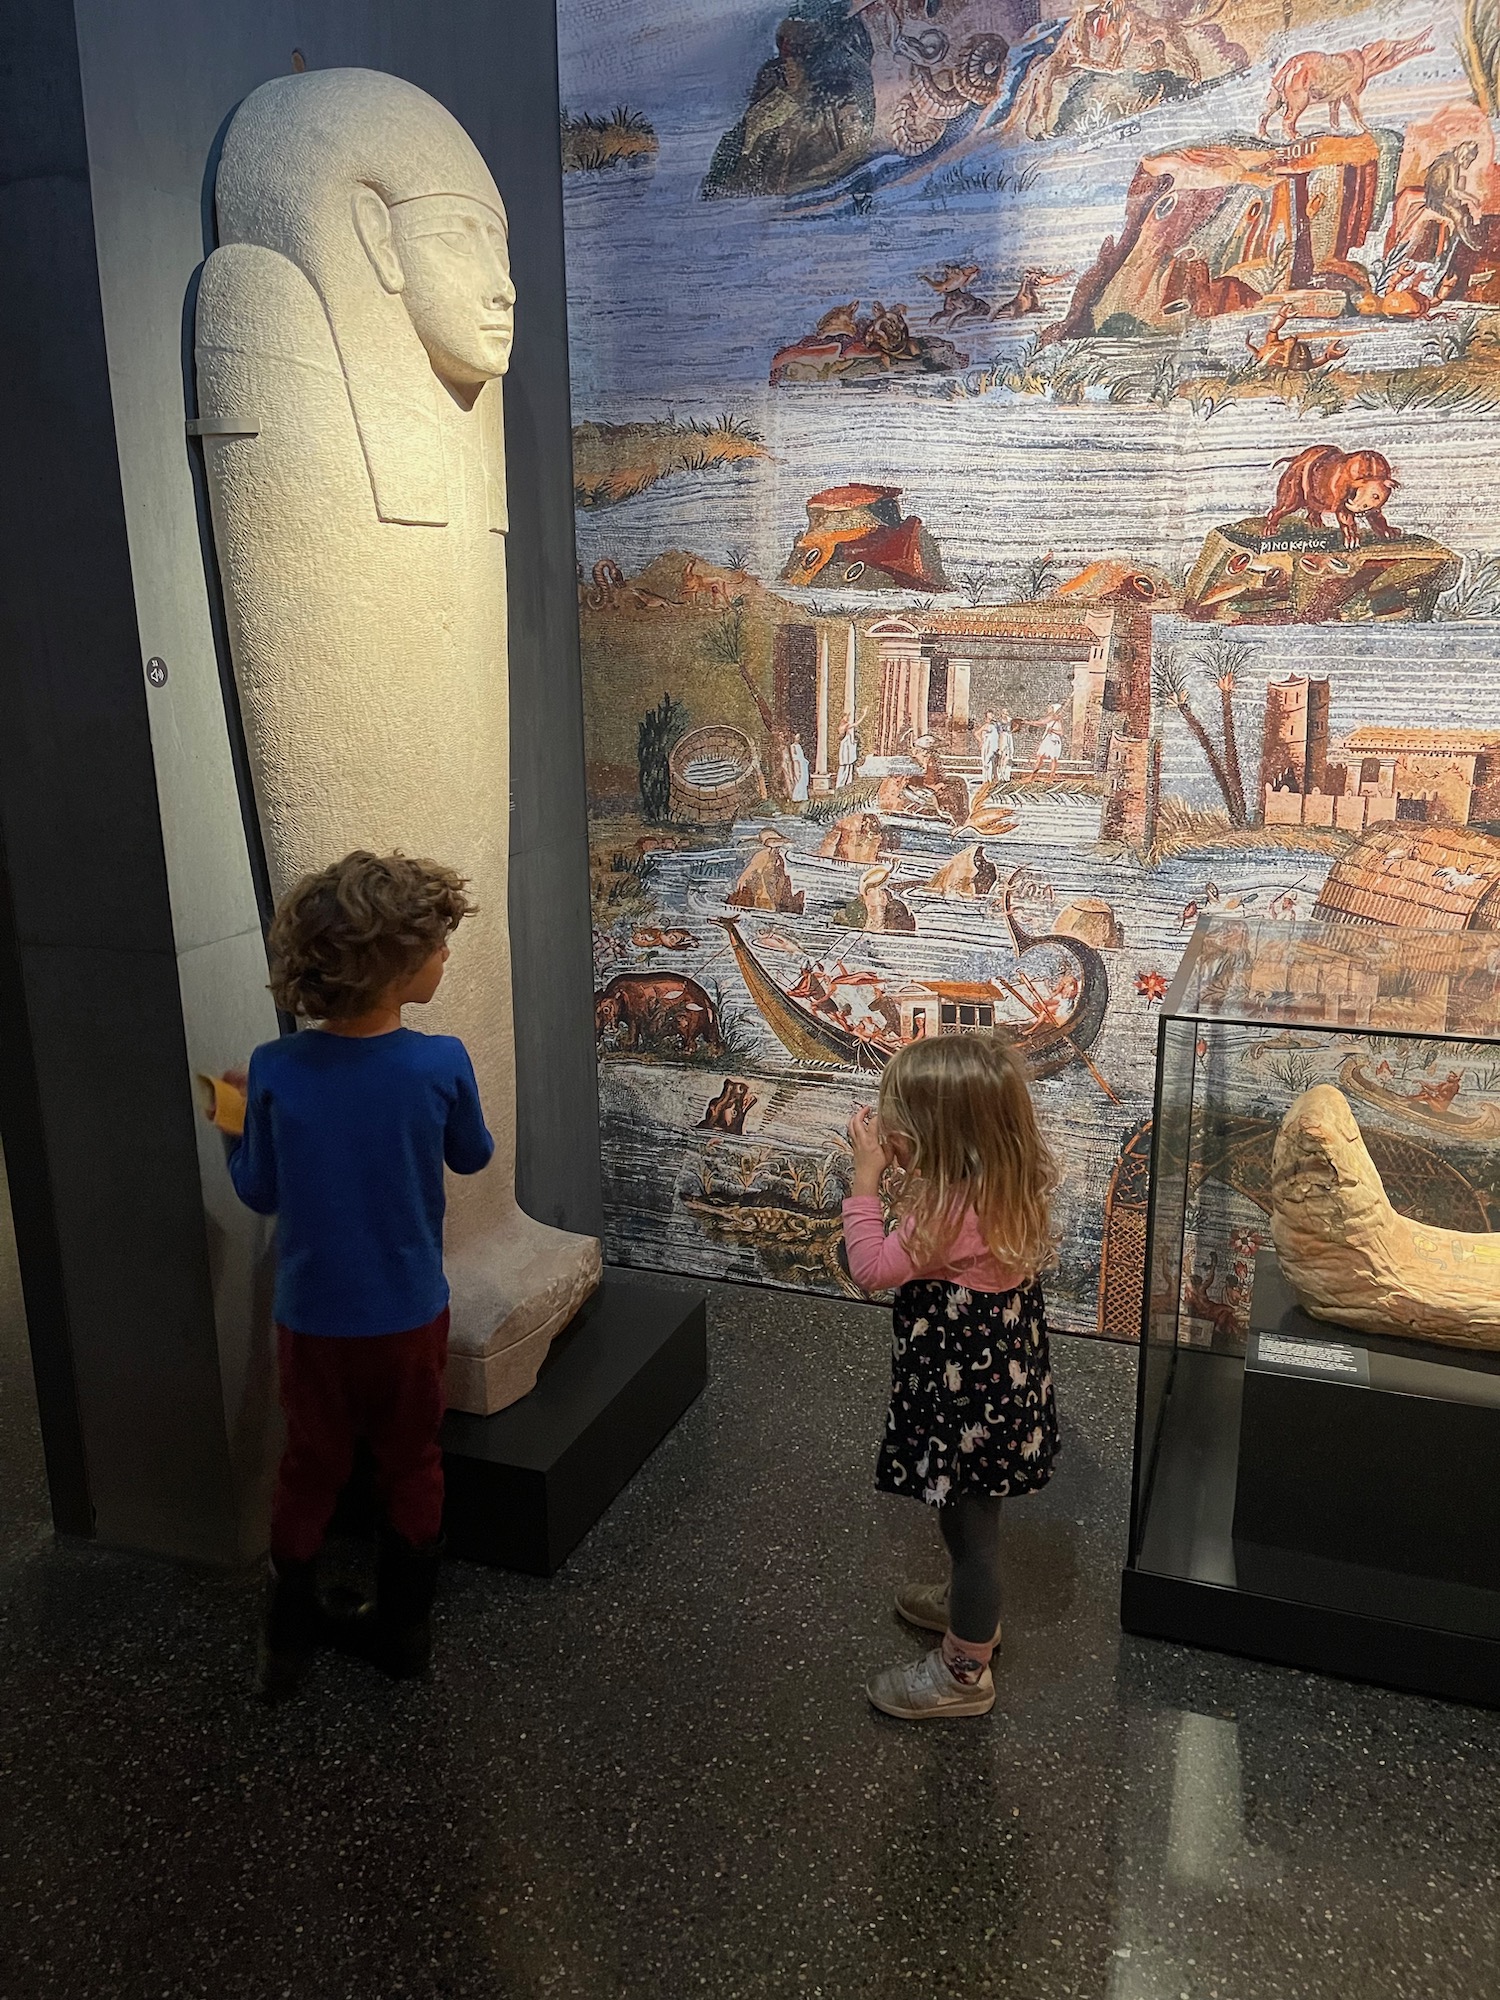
<point>963,1104</point>
<point>341,937</point>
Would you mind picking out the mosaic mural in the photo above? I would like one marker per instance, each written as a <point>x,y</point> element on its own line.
<point>1036,483</point>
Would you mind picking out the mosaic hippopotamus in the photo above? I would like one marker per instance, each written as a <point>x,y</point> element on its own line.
<point>649,1007</point>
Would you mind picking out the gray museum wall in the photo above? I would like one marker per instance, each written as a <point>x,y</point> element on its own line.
<point>141,100</point>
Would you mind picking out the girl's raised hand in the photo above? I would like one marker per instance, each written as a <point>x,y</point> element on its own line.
<point>871,1155</point>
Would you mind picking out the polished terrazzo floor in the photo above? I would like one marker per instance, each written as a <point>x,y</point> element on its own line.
<point>656,1775</point>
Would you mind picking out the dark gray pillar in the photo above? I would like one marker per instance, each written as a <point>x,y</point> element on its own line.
<point>97,1121</point>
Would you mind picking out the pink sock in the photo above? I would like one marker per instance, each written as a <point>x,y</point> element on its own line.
<point>966,1659</point>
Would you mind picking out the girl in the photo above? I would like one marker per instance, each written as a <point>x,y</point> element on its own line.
<point>972,1416</point>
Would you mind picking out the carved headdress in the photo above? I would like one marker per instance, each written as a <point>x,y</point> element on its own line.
<point>297,151</point>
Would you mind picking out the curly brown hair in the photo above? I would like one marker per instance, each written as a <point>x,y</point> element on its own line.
<point>341,937</point>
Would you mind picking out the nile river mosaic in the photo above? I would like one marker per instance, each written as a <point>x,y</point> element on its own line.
<point>1038,482</point>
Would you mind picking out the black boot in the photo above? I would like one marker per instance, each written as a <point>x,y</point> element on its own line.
<point>394,1632</point>
<point>294,1627</point>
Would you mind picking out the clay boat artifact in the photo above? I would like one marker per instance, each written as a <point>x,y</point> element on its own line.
<point>1352,1259</point>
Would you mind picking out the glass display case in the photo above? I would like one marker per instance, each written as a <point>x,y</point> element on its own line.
<point>1305,1491</point>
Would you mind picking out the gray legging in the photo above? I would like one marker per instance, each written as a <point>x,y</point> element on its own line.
<point>971,1528</point>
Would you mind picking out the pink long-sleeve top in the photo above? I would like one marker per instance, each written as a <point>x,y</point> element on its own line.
<point>878,1261</point>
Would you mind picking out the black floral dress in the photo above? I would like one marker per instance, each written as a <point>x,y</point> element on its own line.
<point>972,1408</point>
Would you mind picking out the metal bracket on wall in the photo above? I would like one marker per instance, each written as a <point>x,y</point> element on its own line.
<point>220,427</point>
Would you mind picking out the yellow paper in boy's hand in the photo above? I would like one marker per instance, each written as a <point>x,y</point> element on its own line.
<point>223,1104</point>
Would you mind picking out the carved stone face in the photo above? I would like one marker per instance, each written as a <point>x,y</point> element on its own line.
<point>455,260</point>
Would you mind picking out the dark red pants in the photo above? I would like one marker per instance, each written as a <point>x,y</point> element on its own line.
<point>388,1389</point>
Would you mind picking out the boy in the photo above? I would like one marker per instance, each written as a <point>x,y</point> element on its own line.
<point>346,1134</point>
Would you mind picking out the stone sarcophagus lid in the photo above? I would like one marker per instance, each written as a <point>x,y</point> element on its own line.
<point>351,330</point>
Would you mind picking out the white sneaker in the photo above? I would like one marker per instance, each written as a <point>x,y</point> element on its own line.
<point>925,1605</point>
<point>925,1691</point>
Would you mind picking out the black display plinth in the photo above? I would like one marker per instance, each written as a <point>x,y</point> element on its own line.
<point>1206,1569</point>
<point>1419,1658</point>
<point>526,1485</point>
<point>1367,1468</point>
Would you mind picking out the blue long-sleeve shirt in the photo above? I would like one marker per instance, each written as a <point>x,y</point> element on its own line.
<point>345,1141</point>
